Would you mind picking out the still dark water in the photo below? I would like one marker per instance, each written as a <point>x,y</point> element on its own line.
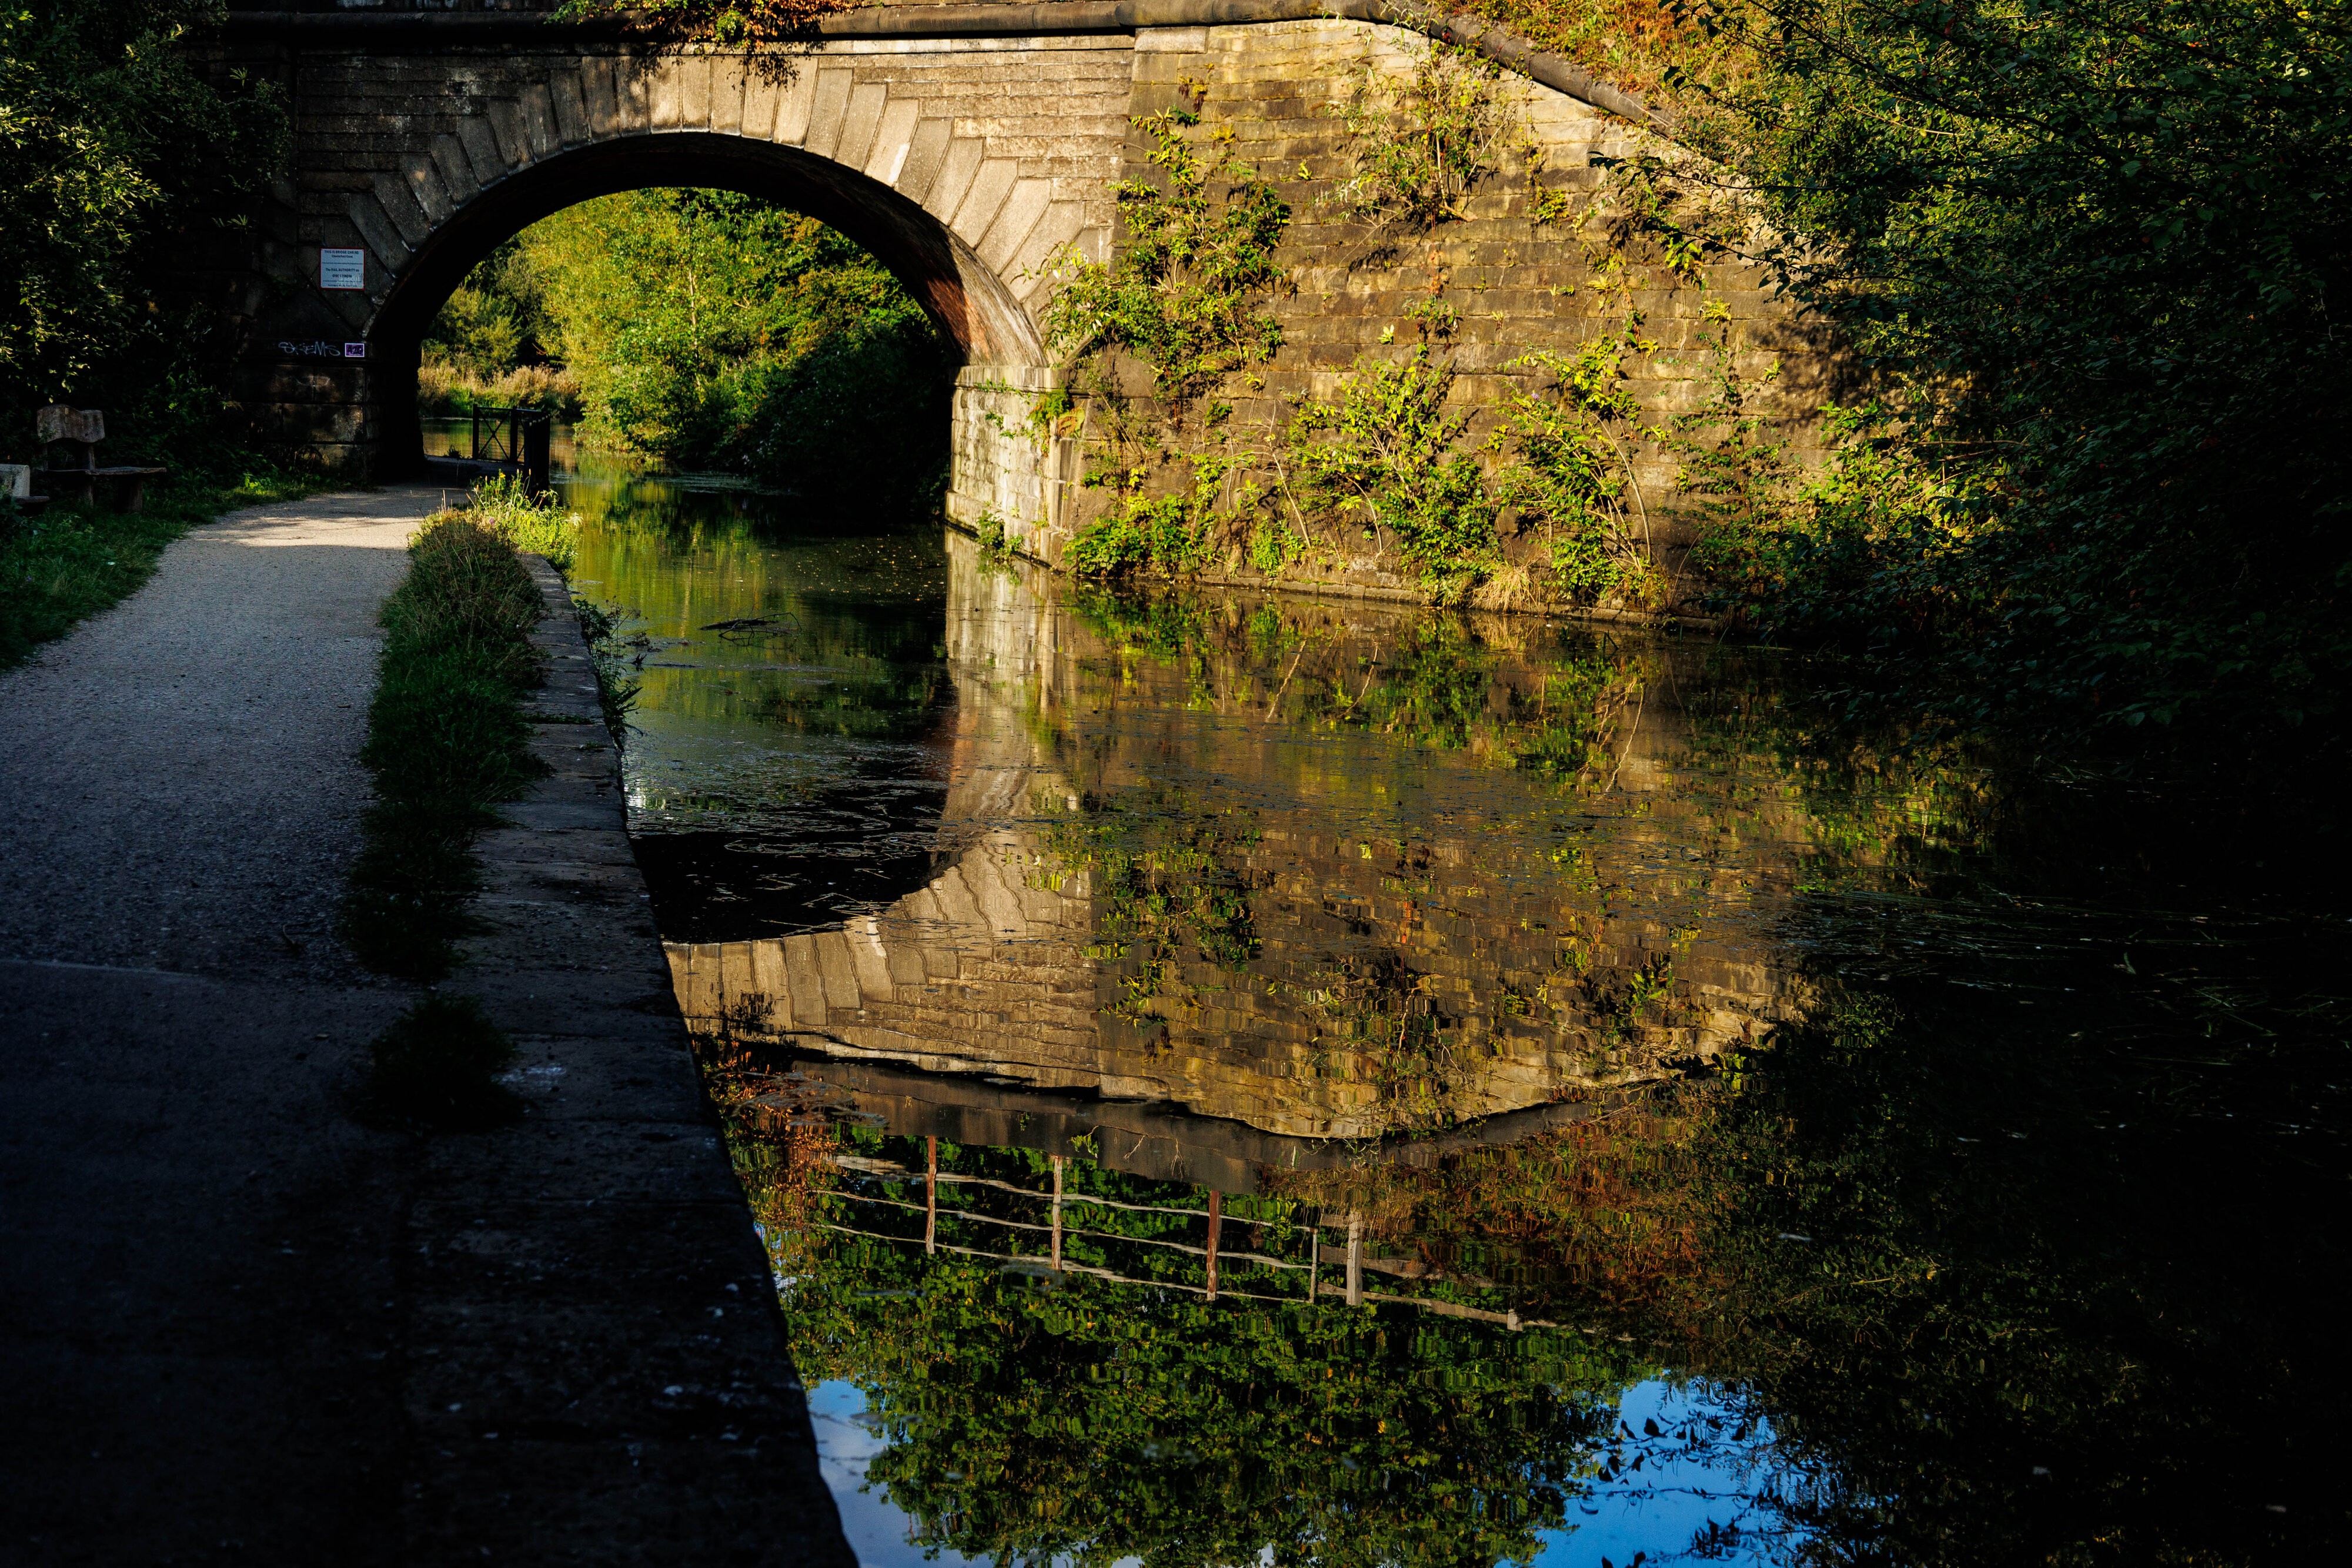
<point>1231,1081</point>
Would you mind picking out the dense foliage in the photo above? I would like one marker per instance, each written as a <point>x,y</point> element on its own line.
<point>2091,459</point>
<point>2096,247</point>
<point>119,160</point>
<point>709,328</point>
<point>705,21</point>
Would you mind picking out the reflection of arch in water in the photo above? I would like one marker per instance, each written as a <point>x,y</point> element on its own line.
<point>985,970</point>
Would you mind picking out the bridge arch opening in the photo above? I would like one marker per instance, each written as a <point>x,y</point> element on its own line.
<point>972,305</point>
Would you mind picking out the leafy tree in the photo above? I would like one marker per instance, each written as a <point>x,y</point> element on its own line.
<point>121,157</point>
<point>2093,248</point>
<point>715,329</point>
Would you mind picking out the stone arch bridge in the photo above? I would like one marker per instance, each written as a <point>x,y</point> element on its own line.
<point>961,144</point>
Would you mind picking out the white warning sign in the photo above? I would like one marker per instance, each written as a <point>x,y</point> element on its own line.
<point>342,269</point>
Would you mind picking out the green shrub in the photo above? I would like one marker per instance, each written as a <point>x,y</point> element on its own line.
<point>1149,535</point>
<point>1421,142</point>
<point>1566,470</point>
<point>1386,453</point>
<point>540,524</point>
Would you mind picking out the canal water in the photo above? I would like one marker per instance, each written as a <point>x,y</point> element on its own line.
<point>1233,1079</point>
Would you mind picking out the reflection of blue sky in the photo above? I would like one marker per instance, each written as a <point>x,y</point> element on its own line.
<point>1682,1487</point>
<point>845,1445</point>
<point>1691,1478</point>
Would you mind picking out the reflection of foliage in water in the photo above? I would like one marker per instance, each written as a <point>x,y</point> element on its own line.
<point>1167,897</point>
<point>1880,811</point>
<point>1984,1211</point>
<point>1092,1424</point>
<point>1543,699</point>
<point>815,655</point>
<point>1936,1253</point>
<point>1089,1421</point>
<point>1933,1247</point>
<point>1540,702</point>
<point>1378,1015</point>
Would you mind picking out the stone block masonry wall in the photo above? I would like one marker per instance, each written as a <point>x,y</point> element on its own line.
<point>1519,284</point>
<point>1001,469</point>
<point>964,161</point>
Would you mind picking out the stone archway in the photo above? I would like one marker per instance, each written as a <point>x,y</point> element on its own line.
<point>961,144</point>
<point>950,175</point>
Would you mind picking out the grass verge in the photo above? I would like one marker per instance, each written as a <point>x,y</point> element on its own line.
<point>447,739</point>
<point>438,1064</point>
<point>539,524</point>
<point>71,562</point>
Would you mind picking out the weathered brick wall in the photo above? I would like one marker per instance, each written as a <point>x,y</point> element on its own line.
<point>963,162</point>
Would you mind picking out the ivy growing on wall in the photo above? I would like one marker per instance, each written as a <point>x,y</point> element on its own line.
<point>1153,337</point>
<point>1422,140</point>
<point>1388,451</point>
<point>1566,468</point>
<point>1180,300</point>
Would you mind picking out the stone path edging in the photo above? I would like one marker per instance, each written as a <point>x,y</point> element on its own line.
<point>593,1328</point>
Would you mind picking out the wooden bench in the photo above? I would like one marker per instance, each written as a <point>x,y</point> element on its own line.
<point>17,484</point>
<point>78,430</point>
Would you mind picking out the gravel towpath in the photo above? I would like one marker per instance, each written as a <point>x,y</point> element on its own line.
<point>236,1326</point>
<point>193,1239</point>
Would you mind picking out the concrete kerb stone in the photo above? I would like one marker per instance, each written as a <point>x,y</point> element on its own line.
<point>573,1268</point>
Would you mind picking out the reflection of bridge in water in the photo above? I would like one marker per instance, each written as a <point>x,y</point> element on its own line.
<point>1404,971</point>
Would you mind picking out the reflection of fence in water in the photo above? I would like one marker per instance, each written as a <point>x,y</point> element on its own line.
<point>1349,1289</point>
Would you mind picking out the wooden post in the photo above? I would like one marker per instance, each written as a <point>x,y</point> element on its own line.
<point>932,1196</point>
<point>1216,1218</point>
<point>1355,1258</point>
<point>1315,1260</point>
<point>1057,1214</point>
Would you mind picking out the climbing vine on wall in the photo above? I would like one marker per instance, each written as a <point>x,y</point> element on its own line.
<point>1152,339</point>
<point>1182,300</point>
<point>1420,142</point>
<point>1567,470</point>
<point>1389,454</point>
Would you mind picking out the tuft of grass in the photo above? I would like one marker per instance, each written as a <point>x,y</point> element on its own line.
<point>617,684</point>
<point>447,739</point>
<point>539,524</point>
<point>438,1065</point>
<point>72,562</point>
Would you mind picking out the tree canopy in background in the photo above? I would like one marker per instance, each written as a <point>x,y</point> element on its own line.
<point>117,162</point>
<point>2087,252</point>
<point>706,329</point>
